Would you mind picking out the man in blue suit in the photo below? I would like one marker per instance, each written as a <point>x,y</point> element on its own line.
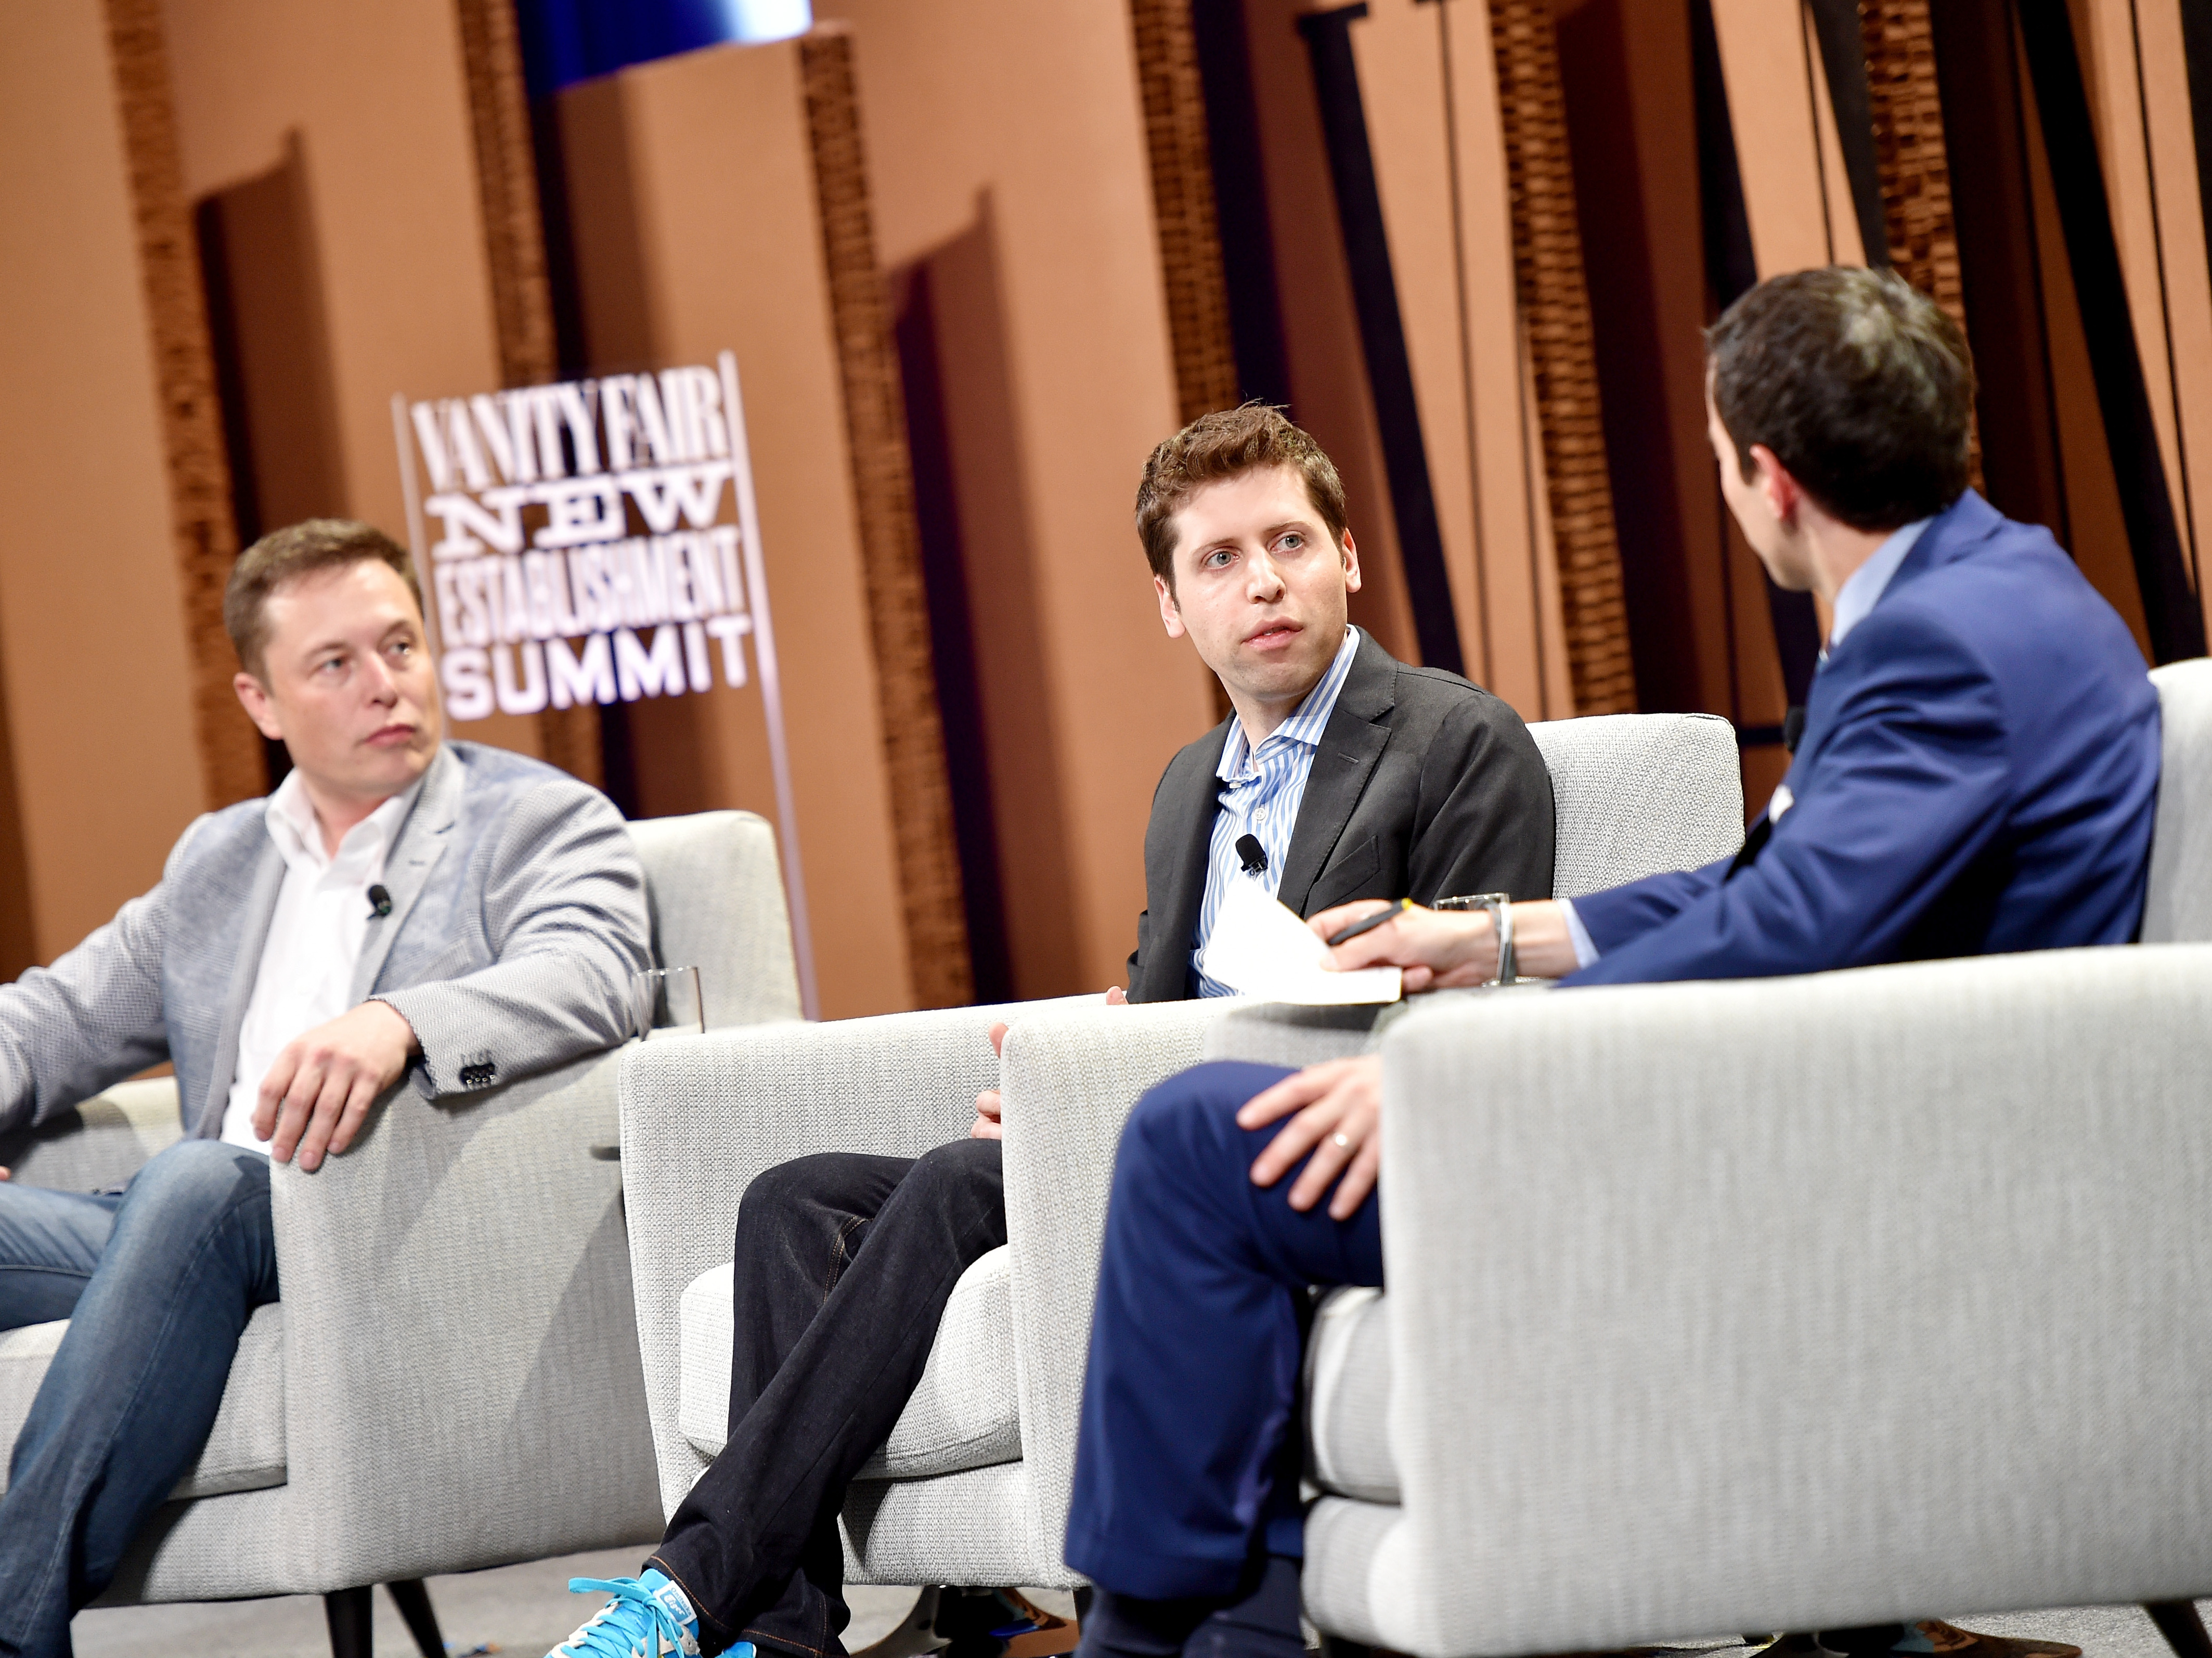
<point>1978,774</point>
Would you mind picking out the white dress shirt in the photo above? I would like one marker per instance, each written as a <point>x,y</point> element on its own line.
<point>321,921</point>
<point>1262,789</point>
<point>1854,600</point>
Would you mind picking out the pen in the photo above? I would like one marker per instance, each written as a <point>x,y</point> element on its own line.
<point>1370,923</point>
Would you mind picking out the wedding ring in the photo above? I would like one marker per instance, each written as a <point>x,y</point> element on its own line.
<point>1341,1141</point>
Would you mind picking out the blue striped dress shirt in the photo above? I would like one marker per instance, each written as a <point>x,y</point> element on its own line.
<point>1261,790</point>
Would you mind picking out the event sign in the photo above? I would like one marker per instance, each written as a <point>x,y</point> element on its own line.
<point>595,541</point>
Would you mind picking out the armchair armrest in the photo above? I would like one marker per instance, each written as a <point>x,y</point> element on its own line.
<point>1793,1304</point>
<point>702,1116</point>
<point>1071,1078</point>
<point>460,1358</point>
<point>103,1142</point>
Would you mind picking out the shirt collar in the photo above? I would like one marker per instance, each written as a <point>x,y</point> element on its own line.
<point>1306,725</point>
<point>291,819</point>
<point>1870,581</point>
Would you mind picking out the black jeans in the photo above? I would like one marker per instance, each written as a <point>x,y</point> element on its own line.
<point>844,1264</point>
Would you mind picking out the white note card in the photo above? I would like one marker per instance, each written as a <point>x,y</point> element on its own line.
<point>1260,948</point>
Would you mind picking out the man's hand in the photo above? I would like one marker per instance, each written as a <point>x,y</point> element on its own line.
<point>318,1092</point>
<point>1339,1121</point>
<point>1441,950</point>
<point>988,1104</point>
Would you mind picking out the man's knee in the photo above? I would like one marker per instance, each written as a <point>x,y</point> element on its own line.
<point>776,1191</point>
<point>196,1177</point>
<point>795,1199</point>
<point>960,1169</point>
<point>1185,1126</point>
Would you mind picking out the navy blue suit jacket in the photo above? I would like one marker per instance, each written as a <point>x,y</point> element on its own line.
<point>1978,774</point>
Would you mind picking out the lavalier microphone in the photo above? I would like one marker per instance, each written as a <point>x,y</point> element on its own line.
<point>379,903</point>
<point>1254,855</point>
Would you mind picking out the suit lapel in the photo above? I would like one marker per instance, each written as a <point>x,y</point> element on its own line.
<point>1187,821</point>
<point>421,842</point>
<point>261,910</point>
<point>1350,745</point>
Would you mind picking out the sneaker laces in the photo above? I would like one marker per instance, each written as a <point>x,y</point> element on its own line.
<point>623,1627</point>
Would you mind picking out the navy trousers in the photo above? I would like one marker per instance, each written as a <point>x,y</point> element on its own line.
<point>157,1286</point>
<point>1186,1467</point>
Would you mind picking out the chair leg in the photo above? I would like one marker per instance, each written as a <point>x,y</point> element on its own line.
<point>2184,1630</point>
<point>352,1628</point>
<point>414,1603</point>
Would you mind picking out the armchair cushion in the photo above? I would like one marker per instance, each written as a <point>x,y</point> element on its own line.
<point>244,1450</point>
<point>962,1415</point>
<point>1348,1398</point>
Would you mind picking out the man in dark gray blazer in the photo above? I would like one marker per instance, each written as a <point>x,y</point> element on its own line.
<point>1341,774</point>
<point>1420,784</point>
<point>403,919</point>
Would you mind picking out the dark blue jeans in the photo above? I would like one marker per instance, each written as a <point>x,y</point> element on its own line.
<point>157,1286</point>
<point>1186,1462</point>
<point>844,1264</point>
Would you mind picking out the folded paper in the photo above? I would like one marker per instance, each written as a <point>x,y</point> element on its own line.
<point>1260,948</point>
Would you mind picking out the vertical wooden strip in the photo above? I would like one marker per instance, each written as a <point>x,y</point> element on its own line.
<point>1184,206</point>
<point>1907,111</point>
<point>1547,263</point>
<point>201,523</point>
<point>1915,165</point>
<point>521,291</point>
<point>891,545</point>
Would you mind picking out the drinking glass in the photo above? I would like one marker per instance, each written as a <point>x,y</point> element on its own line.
<point>665,1001</point>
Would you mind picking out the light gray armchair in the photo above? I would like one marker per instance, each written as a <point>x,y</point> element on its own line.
<point>451,1380</point>
<point>1791,1303</point>
<point>973,1486</point>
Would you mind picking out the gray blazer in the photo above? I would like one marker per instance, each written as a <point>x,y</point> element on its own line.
<point>1424,787</point>
<point>518,915</point>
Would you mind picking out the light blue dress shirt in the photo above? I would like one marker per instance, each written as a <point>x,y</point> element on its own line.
<point>1854,600</point>
<point>1261,789</point>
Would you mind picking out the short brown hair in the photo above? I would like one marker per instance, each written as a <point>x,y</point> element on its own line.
<point>1861,386</point>
<point>286,555</point>
<point>1213,448</point>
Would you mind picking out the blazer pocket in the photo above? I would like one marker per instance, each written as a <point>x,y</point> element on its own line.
<point>1343,879</point>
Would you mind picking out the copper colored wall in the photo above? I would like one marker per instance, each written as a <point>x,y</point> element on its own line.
<point>692,201</point>
<point>1006,145</point>
<point>344,131</point>
<point>99,724</point>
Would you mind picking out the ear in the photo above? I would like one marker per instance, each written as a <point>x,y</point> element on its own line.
<point>258,708</point>
<point>1170,612</point>
<point>1351,564</point>
<point>1775,486</point>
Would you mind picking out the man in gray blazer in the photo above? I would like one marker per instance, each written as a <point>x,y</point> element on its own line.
<point>402,918</point>
<point>1341,774</point>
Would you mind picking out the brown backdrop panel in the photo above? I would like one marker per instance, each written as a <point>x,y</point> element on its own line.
<point>1183,206</point>
<point>1326,371</point>
<point>103,760</point>
<point>1555,307</point>
<point>203,535</point>
<point>698,225</point>
<point>514,256</point>
<point>368,108</point>
<point>1009,138</point>
<point>891,551</point>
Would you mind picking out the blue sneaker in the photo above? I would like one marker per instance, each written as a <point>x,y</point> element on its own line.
<point>649,1616</point>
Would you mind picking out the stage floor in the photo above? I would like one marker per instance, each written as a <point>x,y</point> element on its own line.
<point>521,1611</point>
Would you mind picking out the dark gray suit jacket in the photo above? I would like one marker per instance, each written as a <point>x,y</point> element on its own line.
<point>1424,787</point>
